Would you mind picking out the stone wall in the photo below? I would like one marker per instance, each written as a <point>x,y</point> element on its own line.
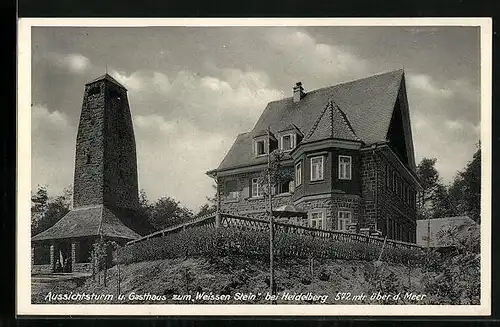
<point>332,204</point>
<point>41,269</point>
<point>369,170</point>
<point>89,163</point>
<point>394,215</point>
<point>247,205</point>
<point>120,165</point>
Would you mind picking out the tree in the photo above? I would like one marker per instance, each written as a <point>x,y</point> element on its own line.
<point>45,211</point>
<point>145,206</point>
<point>430,181</point>
<point>39,202</point>
<point>210,206</point>
<point>442,203</point>
<point>167,212</point>
<point>465,191</point>
<point>277,172</point>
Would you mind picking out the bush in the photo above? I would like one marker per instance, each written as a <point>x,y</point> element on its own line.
<point>454,277</point>
<point>211,242</point>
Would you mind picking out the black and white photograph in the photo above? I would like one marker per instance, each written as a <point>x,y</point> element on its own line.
<point>306,166</point>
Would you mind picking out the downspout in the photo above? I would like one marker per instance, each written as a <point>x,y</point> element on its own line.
<point>376,190</point>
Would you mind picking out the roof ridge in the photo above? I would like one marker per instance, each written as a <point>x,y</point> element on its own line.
<point>316,123</point>
<point>346,121</point>
<point>344,83</point>
<point>107,77</point>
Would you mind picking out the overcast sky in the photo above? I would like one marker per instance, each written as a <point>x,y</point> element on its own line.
<point>193,89</point>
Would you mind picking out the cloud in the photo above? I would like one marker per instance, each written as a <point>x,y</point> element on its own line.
<point>304,55</point>
<point>427,84</point>
<point>173,157</point>
<point>452,142</point>
<point>52,145</point>
<point>185,123</point>
<point>231,102</point>
<point>73,62</point>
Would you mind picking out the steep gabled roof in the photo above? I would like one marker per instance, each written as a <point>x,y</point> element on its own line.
<point>331,124</point>
<point>106,77</point>
<point>366,105</point>
<point>88,221</point>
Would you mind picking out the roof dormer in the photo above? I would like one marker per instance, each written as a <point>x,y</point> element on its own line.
<point>289,137</point>
<point>260,143</point>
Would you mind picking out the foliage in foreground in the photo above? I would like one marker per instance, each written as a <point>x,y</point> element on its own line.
<point>454,277</point>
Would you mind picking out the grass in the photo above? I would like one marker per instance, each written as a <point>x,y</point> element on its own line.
<point>238,274</point>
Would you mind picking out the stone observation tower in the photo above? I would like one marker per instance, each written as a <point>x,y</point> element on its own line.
<point>105,191</point>
<point>106,162</point>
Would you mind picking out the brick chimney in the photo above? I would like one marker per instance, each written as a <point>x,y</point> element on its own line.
<point>298,92</point>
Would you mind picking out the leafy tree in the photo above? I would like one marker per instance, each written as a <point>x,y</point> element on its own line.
<point>277,172</point>
<point>442,203</point>
<point>429,178</point>
<point>45,211</point>
<point>39,202</point>
<point>465,191</point>
<point>210,206</point>
<point>205,210</point>
<point>145,206</point>
<point>166,212</point>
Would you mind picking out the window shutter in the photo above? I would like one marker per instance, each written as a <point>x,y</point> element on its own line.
<point>246,192</point>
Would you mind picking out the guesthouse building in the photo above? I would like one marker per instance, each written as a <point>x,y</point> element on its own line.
<point>346,152</point>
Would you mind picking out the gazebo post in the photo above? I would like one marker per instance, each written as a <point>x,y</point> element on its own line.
<point>52,257</point>
<point>74,253</point>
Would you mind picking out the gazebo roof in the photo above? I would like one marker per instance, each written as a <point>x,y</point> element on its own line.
<point>88,221</point>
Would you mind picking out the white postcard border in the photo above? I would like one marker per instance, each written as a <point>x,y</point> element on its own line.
<point>23,252</point>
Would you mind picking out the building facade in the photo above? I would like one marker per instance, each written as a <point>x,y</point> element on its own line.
<point>347,156</point>
<point>105,187</point>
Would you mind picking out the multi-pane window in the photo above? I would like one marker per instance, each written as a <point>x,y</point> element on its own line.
<point>283,187</point>
<point>287,142</point>
<point>260,148</point>
<point>344,219</point>
<point>231,190</point>
<point>316,168</point>
<point>256,188</point>
<point>345,167</point>
<point>298,173</point>
<point>317,219</point>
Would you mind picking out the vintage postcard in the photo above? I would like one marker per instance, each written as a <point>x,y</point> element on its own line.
<point>254,167</point>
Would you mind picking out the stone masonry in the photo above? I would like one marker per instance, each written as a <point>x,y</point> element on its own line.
<point>105,163</point>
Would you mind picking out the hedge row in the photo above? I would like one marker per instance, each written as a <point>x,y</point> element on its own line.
<point>211,242</point>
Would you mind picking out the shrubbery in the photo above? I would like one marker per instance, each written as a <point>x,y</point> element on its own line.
<point>454,276</point>
<point>210,242</point>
